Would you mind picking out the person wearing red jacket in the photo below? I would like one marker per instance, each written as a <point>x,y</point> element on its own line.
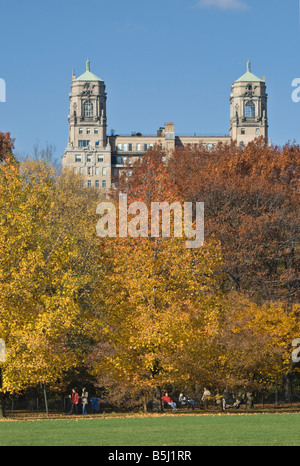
<point>168,400</point>
<point>74,400</point>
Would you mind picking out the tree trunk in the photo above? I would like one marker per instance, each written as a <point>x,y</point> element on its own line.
<point>287,387</point>
<point>157,405</point>
<point>2,407</point>
<point>250,400</point>
<point>145,403</point>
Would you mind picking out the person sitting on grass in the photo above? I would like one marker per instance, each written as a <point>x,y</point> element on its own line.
<point>168,400</point>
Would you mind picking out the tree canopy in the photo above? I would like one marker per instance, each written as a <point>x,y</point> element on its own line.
<point>145,313</point>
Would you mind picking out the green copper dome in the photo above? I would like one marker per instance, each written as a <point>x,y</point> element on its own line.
<point>88,76</point>
<point>248,76</point>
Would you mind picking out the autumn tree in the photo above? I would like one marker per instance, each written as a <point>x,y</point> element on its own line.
<point>159,297</point>
<point>253,346</point>
<point>6,147</point>
<point>251,198</point>
<point>46,272</point>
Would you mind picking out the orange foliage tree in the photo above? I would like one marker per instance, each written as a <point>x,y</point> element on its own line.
<point>251,198</point>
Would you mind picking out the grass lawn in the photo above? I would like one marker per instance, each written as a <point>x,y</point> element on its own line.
<point>218,430</point>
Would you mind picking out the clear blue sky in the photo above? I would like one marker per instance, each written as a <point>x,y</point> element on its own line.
<point>161,60</point>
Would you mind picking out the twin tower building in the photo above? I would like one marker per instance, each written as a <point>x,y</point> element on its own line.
<point>99,157</point>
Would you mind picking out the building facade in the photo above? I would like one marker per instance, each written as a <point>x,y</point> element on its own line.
<point>99,157</point>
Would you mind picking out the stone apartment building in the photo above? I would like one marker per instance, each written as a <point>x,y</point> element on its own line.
<point>99,157</point>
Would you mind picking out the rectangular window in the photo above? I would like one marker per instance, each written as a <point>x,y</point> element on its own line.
<point>77,158</point>
<point>119,146</point>
<point>125,147</point>
<point>89,183</point>
<point>81,170</point>
<point>88,109</point>
<point>88,158</point>
<point>89,171</point>
<point>243,131</point>
<point>97,184</point>
<point>130,147</point>
<point>88,131</point>
<point>103,183</point>
<point>97,171</point>
<point>257,131</point>
<point>83,143</point>
<point>138,147</point>
<point>145,147</point>
<point>95,130</point>
<point>80,130</point>
<point>100,158</point>
<point>103,171</point>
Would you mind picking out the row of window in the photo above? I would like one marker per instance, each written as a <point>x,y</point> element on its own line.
<point>129,147</point>
<point>90,171</point>
<point>86,143</point>
<point>88,131</point>
<point>257,132</point>
<point>78,158</point>
<point>97,183</point>
<point>138,147</point>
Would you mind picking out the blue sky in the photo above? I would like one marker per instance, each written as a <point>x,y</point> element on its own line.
<point>161,60</point>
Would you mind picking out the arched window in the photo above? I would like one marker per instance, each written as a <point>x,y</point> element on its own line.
<point>250,110</point>
<point>88,109</point>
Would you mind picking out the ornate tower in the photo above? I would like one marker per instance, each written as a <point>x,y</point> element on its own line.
<point>88,150</point>
<point>248,108</point>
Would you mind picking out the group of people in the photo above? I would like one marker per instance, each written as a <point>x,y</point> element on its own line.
<point>84,401</point>
<point>183,401</point>
<point>186,401</point>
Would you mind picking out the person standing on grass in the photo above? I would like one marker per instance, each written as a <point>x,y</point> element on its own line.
<point>95,404</point>
<point>206,397</point>
<point>84,400</point>
<point>74,400</point>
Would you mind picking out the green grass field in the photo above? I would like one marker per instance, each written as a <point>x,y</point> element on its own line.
<point>218,430</point>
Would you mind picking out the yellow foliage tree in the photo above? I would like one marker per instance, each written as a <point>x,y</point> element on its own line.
<point>45,273</point>
<point>253,348</point>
